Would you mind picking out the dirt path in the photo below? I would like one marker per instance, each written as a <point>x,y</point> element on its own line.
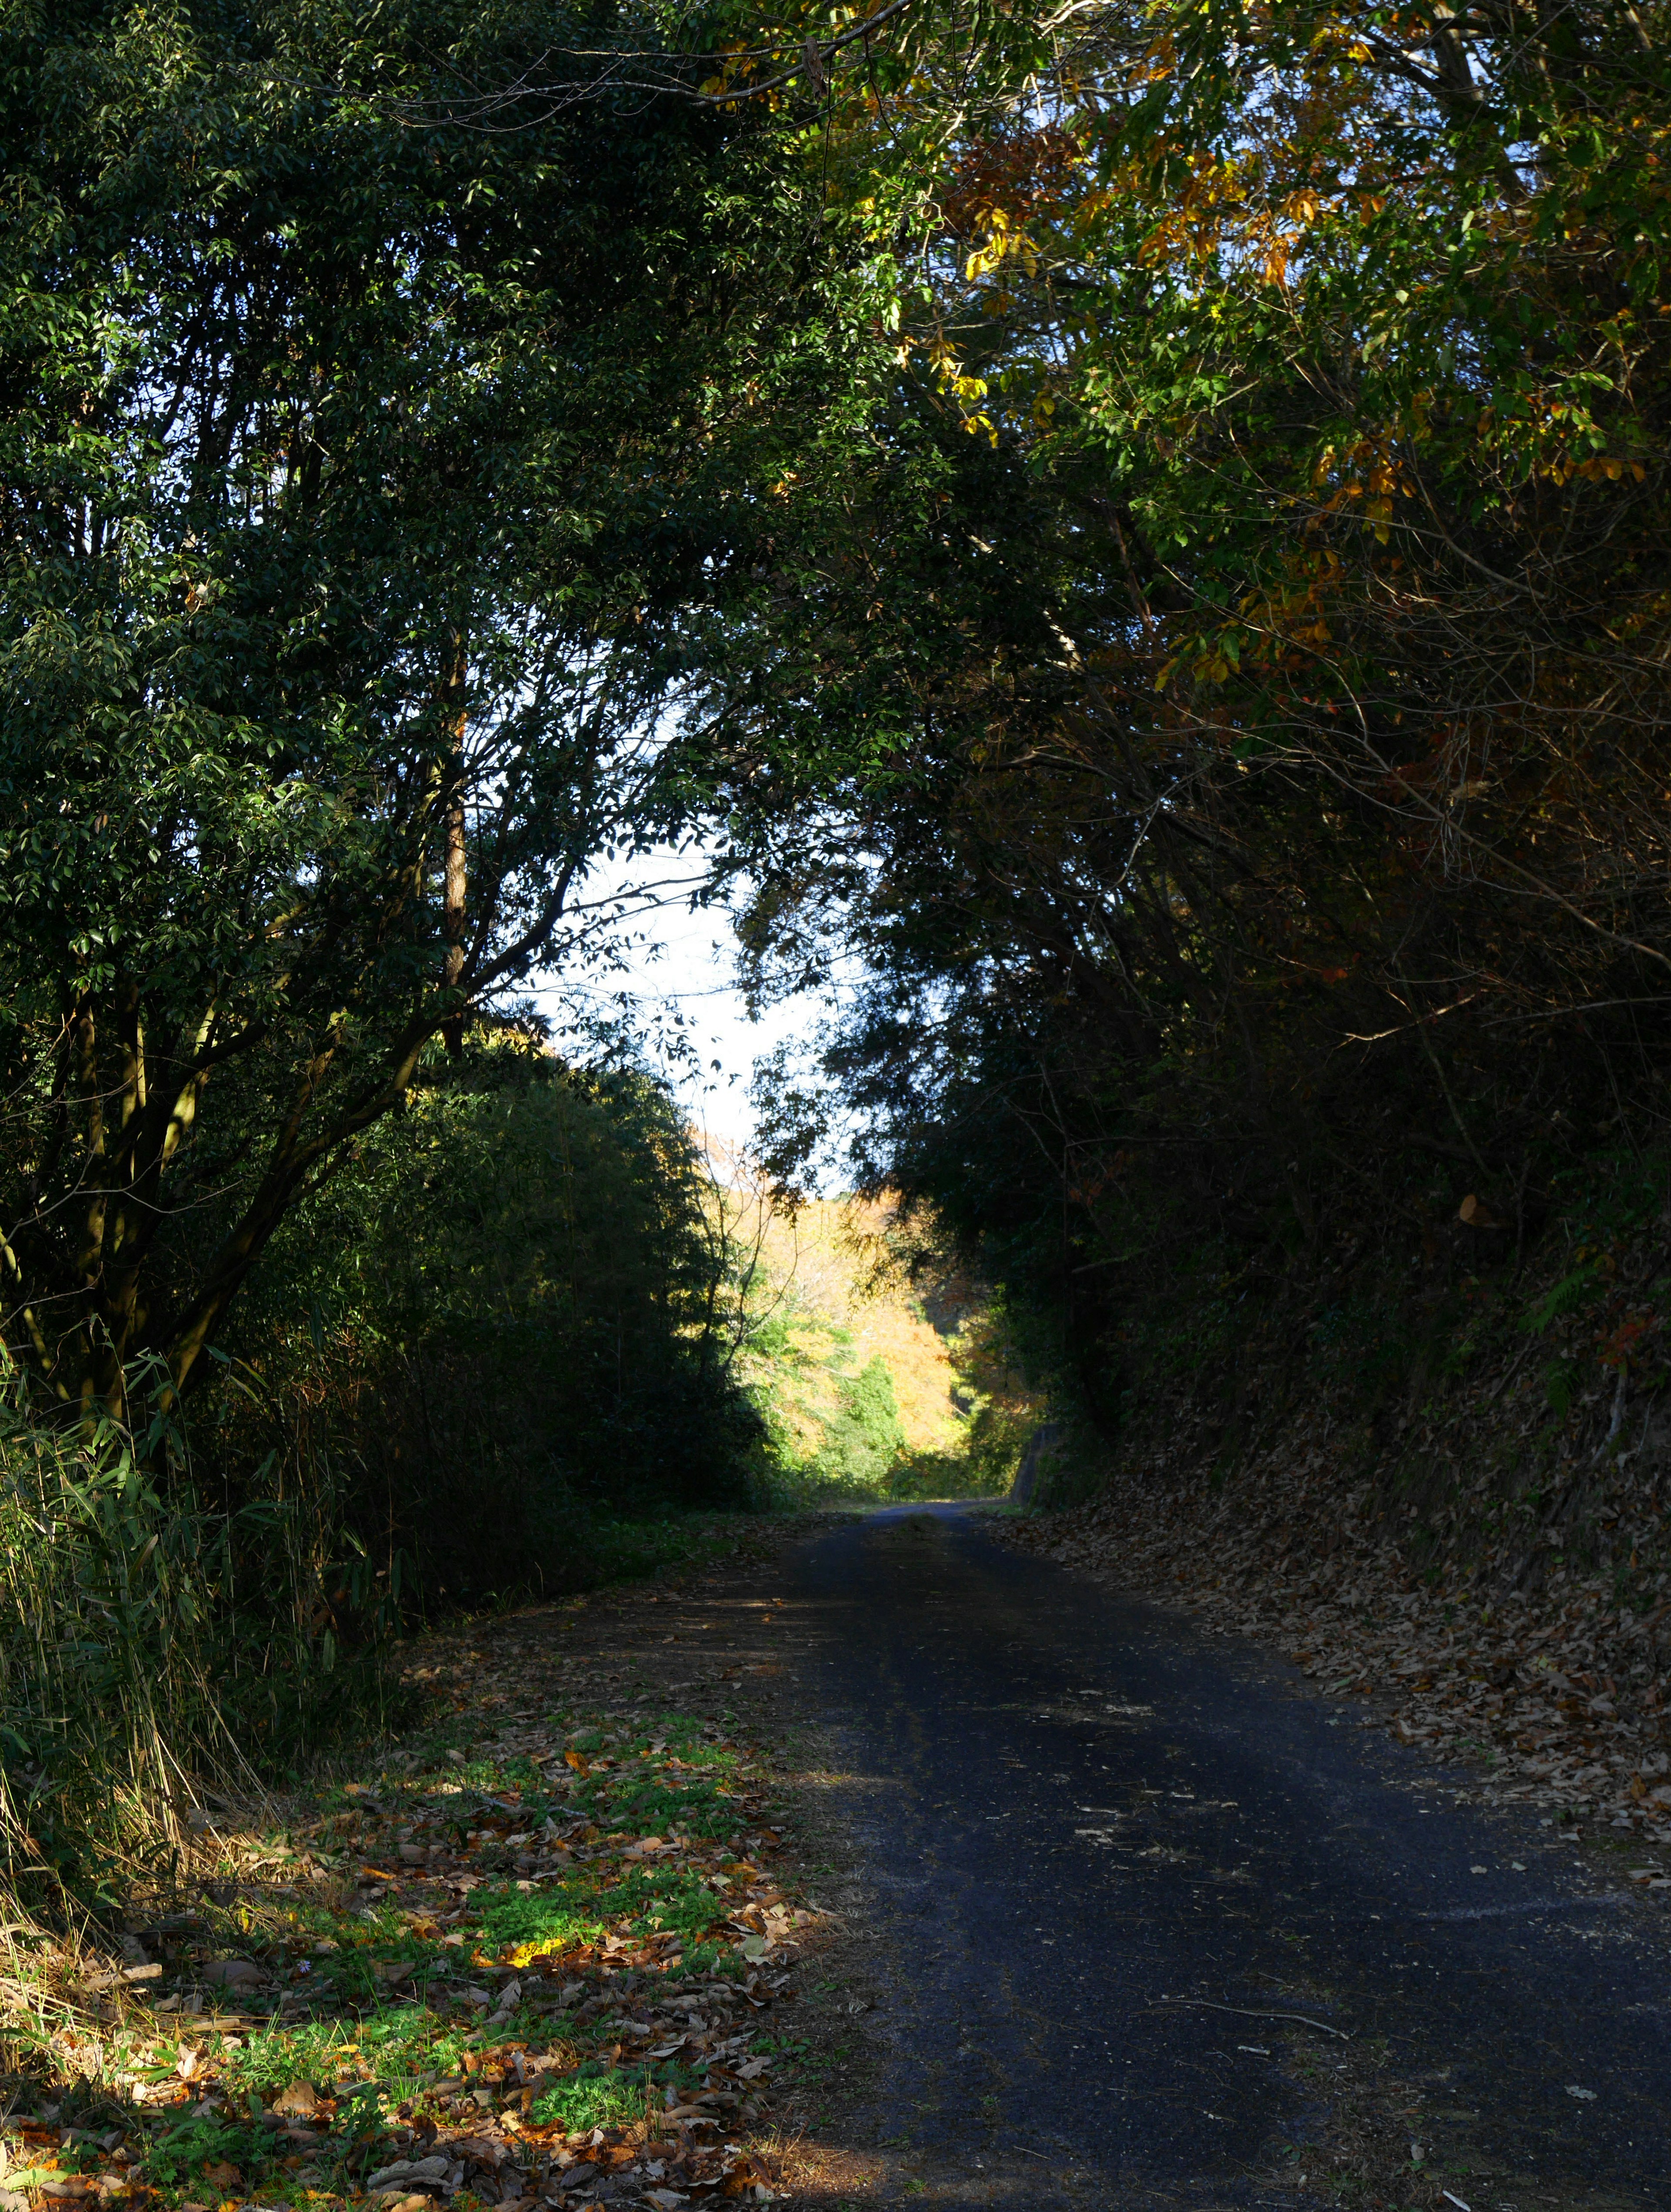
<point>1107,1861</point>
<point>880,1865</point>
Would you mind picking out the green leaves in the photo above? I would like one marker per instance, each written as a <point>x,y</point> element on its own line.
<point>366,471</point>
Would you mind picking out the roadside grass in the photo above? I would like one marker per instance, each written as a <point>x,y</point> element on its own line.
<point>495,1937</point>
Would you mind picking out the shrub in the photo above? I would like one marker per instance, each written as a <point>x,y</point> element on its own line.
<point>502,1327</point>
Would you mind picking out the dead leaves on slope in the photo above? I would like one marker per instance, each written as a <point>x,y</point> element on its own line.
<point>1559,1694</point>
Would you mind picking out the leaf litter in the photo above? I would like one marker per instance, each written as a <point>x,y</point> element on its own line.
<point>1557,1691</point>
<point>537,1969</point>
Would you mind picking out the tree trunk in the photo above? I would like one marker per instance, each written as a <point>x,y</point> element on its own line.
<point>453,880</point>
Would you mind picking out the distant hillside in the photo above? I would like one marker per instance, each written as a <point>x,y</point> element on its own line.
<point>859,1385</point>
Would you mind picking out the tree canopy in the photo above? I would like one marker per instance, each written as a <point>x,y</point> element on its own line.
<point>1144,529</point>
<point>361,467</point>
<point>1236,676</point>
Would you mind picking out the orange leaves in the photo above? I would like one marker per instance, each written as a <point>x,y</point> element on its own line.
<point>1369,471</point>
<point>1154,64</point>
<point>1618,1347</point>
<point>1012,175</point>
<point>1301,210</point>
<point>1194,225</point>
<point>1225,213</point>
<point>1274,623</point>
<point>1600,468</point>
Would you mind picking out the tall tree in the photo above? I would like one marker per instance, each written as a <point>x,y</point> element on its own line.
<point>1240,662</point>
<point>358,461</point>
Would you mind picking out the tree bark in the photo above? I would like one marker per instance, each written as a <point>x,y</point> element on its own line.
<point>453,871</point>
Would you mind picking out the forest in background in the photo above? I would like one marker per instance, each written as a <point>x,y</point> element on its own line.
<point>882,1367</point>
<point>1134,539</point>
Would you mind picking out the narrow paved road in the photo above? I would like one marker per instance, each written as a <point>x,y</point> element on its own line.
<point>1104,1848</point>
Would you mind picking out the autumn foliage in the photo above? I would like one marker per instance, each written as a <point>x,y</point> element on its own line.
<point>1251,639</point>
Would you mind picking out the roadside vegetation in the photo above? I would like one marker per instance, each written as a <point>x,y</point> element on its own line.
<point>525,1950</point>
<point>1134,541</point>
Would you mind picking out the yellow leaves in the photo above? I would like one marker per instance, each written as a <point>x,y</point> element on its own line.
<point>735,65</point>
<point>1209,661</point>
<point>547,1947</point>
<point>967,391</point>
<point>1221,214</point>
<point>1003,244</point>
<point>1610,468</point>
<point>1367,470</point>
<point>1155,63</point>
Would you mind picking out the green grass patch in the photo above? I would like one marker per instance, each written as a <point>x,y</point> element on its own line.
<point>401,2042</point>
<point>174,2157</point>
<point>663,1774</point>
<point>638,1791</point>
<point>555,1918</point>
<point>644,1902</point>
<point>596,2097</point>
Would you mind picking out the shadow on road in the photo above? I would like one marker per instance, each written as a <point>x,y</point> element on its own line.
<point>1159,1928</point>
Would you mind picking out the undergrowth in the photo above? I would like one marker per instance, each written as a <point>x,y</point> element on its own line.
<point>155,1652</point>
<point>1490,1386</point>
<point>471,1942</point>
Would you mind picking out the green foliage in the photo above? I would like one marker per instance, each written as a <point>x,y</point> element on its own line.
<point>394,2043</point>
<point>472,1364</point>
<point>698,1802</point>
<point>366,470</point>
<point>1565,1297</point>
<point>506,1319</point>
<point>863,1440</point>
<point>595,2095</point>
<point>179,2153</point>
<point>827,1426</point>
<point>997,1436</point>
<point>646,1900</point>
<point>1559,1379</point>
<point>146,1636</point>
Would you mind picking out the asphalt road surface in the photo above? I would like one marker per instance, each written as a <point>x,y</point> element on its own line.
<point>1105,1852</point>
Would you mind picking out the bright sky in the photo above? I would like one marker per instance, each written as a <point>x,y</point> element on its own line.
<point>680,967</point>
